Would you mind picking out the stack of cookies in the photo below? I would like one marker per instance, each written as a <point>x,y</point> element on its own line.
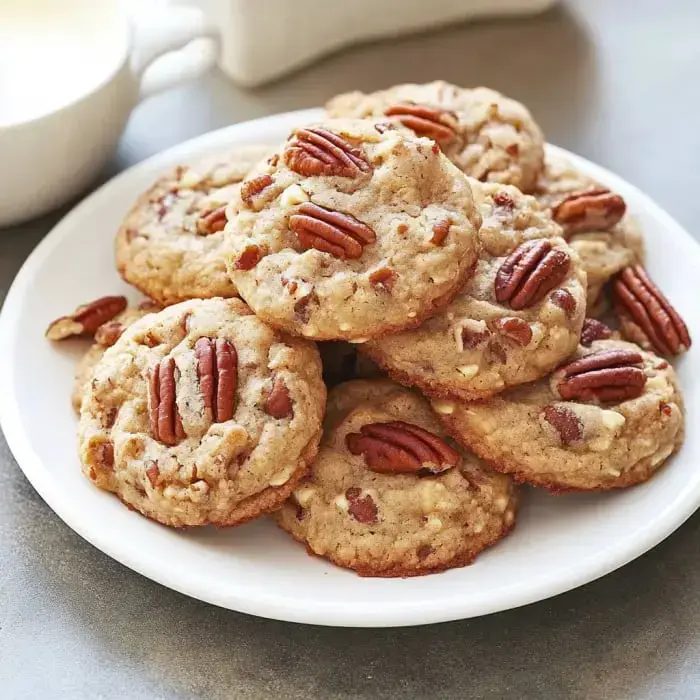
<point>418,254</point>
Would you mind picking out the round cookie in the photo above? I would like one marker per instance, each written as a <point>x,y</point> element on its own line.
<point>352,231</point>
<point>487,340</point>
<point>390,495</point>
<point>202,414</point>
<point>485,134</point>
<point>170,244</point>
<point>105,336</point>
<point>608,419</point>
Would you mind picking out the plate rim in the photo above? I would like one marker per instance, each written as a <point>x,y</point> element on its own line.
<point>402,613</point>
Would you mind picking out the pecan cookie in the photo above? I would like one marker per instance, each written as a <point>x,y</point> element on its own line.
<point>595,222</point>
<point>390,495</point>
<point>485,134</point>
<point>352,231</point>
<point>105,336</point>
<point>170,244</point>
<point>202,414</point>
<point>515,320</point>
<point>607,419</point>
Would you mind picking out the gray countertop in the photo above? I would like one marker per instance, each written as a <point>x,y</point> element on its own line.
<point>614,80</point>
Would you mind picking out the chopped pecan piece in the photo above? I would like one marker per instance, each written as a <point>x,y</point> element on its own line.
<point>109,333</point>
<point>86,319</point>
<point>565,422</point>
<point>249,258</point>
<point>514,328</point>
<point>166,424</point>
<point>278,403</point>
<point>383,277</point>
<point>341,235</point>
<point>397,447</point>
<point>565,301</point>
<point>217,370</point>
<point>607,375</point>
<point>362,508</point>
<point>529,273</point>
<point>638,296</point>
<point>321,152</point>
<point>592,210</point>
<point>425,120</point>
<point>440,231</point>
<point>593,329</point>
<point>212,222</point>
<point>250,189</point>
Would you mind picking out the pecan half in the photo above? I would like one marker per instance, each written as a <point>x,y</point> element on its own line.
<point>330,231</point>
<point>636,294</point>
<point>515,329</point>
<point>425,120</point>
<point>592,210</point>
<point>217,370</point>
<point>212,222</point>
<point>529,273</point>
<point>593,329</point>
<point>166,424</point>
<point>401,448</point>
<point>87,318</point>
<point>608,375</point>
<point>278,403</point>
<point>321,152</point>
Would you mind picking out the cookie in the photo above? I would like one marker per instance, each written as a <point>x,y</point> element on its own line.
<point>485,134</point>
<point>595,222</point>
<point>170,244</point>
<point>352,231</point>
<point>105,336</point>
<point>607,419</point>
<point>646,316</point>
<point>202,414</point>
<point>390,495</point>
<point>515,320</point>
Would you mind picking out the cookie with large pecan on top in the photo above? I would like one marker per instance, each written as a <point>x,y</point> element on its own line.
<point>353,230</point>
<point>595,222</point>
<point>608,418</point>
<point>485,134</point>
<point>514,321</point>
<point>170,245</point>
<point>202,414</point>
<point>390,494</point>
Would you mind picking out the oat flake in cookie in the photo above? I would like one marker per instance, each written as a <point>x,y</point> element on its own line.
<point>515,320</point>
<point>352,231</point>
<point>485,134</point>
<point>391,495</point>
<point>202,414</point>
<point>608,418</point>
<point>170,244</point>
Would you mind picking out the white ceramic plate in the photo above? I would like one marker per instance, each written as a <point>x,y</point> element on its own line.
<point>560,541</point>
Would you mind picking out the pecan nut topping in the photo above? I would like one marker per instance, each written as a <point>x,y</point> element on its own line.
<point>591,210</point>
<point>529,273</point>
<point>249,258</point>
<point>250,189</point>
<point>212,222</point>
<point>635,293</point>
<point>217,370</point>
<point>425,120</point>
<point>607,375</point>
<point>362,508</point>
<point>321,152</point>
<point>341,235</point>
<point>383,277</point>
<point>515,329</point>
<point>565,422</point>
<point>166,424</point>
<point>397,447</point>
<point>278,403</point>
<point>87,318</point>
<point>593,329</point>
